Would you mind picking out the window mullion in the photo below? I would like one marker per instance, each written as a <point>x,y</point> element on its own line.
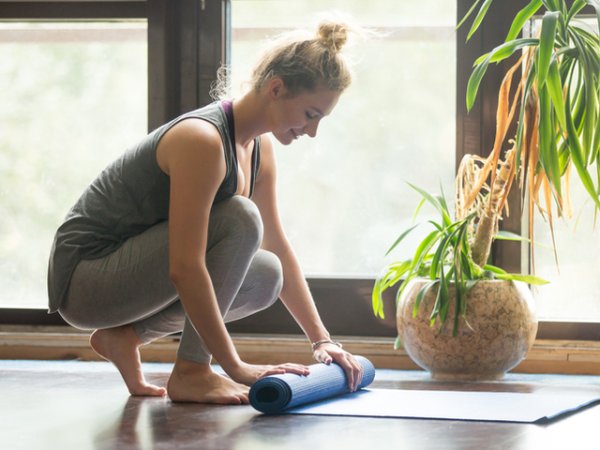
<point>476,129</point>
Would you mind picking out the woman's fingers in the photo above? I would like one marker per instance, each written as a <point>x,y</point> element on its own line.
<point>328,353</point>
<point>358,372</point>
<point>323,357</point>
<point>285,368</point>
<point>353,369</point>
<point>295,368</point>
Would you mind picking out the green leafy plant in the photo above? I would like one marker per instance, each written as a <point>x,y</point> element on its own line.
<point>558,123</point>
<point>557,96</point>
<point>444,256</point>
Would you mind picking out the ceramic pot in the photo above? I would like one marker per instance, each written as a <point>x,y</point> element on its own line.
<point>495,335</point>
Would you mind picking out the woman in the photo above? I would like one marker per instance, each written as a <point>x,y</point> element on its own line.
<point>183,233</point>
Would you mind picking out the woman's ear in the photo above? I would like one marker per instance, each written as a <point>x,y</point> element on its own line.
<point>276,88</point>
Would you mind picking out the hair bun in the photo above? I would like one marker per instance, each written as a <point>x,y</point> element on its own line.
<point>333,35</point>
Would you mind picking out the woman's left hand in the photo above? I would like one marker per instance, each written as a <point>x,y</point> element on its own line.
<point>328,353</point>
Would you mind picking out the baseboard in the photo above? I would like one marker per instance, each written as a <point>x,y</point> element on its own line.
<point>52,343</point>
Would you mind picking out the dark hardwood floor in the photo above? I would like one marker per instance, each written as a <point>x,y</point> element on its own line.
<point>84,405</point>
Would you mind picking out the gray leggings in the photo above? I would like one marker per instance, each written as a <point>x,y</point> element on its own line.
<point>132,285</point>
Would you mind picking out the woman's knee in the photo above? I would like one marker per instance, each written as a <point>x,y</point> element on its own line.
<point>246,217</point>
<point>268,265</point>
<point>261,287</point>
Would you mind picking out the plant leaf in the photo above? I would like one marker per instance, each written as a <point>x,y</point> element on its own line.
<point>498,54</point>
<point>529,279</point>
<point>506,49</point>
<point>479,18</point>
<point>521,122</point>
<point>556,93</point>
<point>547,40</point>
<point>589,66</point>
<point>435,202</point>
<point>551,5</point>
<point>377,300</point>
<point>400,238</point>
<point>423,249</point>
<point>547,145</point>
<point>577,6</point>
<point>469,12</point>
<point>394,273</point>
<point>522,17</point>
<point>494,269</point>
<point>441,253</point>
<point>398,343</point>
<point>504,235</point>
<point>421,294</point>
<point>390,275</point>
<point>475,81</point>
<point>418,209</point>
<point>578,159</point>
<point>596,144</point>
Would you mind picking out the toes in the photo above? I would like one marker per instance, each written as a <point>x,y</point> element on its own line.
<point>148,390</point>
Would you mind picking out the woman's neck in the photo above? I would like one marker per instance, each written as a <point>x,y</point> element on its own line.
<point>251,118</point>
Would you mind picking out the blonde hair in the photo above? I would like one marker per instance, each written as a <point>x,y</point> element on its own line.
<point>306,63</point>
<point>302,61</point>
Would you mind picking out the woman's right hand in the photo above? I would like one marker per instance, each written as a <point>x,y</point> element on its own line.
<point>248,374</point>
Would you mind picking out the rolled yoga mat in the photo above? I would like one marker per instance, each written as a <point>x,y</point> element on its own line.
<point>276,393</point>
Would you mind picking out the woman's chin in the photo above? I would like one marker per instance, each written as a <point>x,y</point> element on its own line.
<point>285,139</point>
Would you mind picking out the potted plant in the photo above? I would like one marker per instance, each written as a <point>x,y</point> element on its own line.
<point>459,316</point>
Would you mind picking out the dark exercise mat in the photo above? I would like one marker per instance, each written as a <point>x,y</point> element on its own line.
<point>277,393</point>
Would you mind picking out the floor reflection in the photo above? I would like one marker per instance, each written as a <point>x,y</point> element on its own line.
<point>151,423</point>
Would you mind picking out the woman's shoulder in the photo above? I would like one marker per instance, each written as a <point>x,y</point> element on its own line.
<point>184,140</point>
<point>195,129</point>
<point>202,123</point>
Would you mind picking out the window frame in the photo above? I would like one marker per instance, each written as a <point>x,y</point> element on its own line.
<point>188,40</point>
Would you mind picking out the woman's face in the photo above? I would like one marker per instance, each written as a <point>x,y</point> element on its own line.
<point>295,116</point>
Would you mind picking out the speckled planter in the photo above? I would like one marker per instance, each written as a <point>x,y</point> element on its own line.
<point>499,330</point>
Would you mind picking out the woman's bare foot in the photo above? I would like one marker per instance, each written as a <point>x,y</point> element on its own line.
<point>194,382</point>
<point>120,346</point>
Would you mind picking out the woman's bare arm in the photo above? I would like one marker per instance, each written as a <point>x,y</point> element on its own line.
<point>191,153</point>
<point>295,293</point>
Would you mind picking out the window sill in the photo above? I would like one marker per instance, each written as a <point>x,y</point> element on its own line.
<point>35,342</point>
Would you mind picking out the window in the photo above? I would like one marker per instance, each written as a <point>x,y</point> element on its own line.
<point>343,196</point>
<point>74,96</point>
<point>81,81</point>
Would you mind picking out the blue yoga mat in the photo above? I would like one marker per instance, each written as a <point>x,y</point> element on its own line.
<point>277,393</point>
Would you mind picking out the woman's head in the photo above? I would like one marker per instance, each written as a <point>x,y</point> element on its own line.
<point>307,64</point>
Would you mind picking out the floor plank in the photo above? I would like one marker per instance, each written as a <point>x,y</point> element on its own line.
<point>84,405</point>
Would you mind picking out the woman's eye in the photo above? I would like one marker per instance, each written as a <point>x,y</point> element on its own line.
<point>310,115</point>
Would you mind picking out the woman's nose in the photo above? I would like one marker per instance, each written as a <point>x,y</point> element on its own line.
<point>311,128</point>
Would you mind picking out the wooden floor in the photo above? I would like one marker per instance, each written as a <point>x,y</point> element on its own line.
<point>84,405</point>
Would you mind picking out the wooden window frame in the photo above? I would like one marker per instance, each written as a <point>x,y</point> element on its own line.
<point>188,40</point>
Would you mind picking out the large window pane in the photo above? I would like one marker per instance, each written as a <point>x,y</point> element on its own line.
<point>343,195</point>
<point>572,294</point>
<point>74,96</point>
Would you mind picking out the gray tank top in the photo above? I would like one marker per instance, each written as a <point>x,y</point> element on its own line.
<point>128,197</point>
